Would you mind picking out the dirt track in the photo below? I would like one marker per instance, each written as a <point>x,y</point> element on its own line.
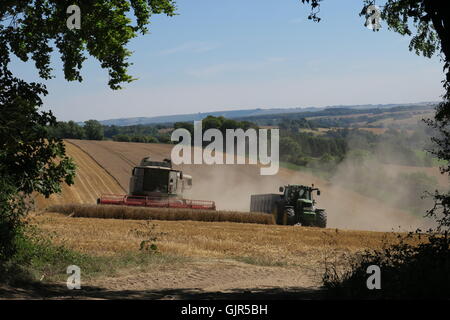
<point>231,186</point>
<point>207,279</point>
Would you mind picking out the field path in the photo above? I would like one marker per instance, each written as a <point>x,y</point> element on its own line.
<point>208,279</point>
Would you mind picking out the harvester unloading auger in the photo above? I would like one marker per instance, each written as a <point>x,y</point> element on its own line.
<point>157,184</point>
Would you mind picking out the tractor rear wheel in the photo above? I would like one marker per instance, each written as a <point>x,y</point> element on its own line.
<point>321,219</point>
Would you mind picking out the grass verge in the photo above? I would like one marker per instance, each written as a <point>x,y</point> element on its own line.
<point>38,260</point>
<point>261,261</point>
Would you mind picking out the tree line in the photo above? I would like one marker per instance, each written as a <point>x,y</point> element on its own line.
<point>304,148</point>
<point>94,130</point>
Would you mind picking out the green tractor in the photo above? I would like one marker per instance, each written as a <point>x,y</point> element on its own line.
<point>295,206</point>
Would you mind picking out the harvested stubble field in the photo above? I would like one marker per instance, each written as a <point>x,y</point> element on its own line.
<point>286,244</point>
<point>142,213</point>
<point>215,257</point>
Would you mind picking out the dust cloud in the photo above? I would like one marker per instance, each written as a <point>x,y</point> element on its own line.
<point>384,199</point>
<point>231,186</point>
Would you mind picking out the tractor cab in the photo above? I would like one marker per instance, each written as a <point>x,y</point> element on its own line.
<point>292,193</point>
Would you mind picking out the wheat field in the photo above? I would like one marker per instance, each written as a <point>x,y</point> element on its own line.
<point>230,186</point>
<point>260,244</point>
<point>91,182</point>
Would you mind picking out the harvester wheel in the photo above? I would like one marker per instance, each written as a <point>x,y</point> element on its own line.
<point>321,219</point>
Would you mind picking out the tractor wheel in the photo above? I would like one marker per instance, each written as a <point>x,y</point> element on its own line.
<point>321,219</point>
<point>289,216</point>
<point>280,216</point>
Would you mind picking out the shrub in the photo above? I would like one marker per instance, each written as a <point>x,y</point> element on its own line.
<point>12,210</point>
<point>36,258</point>
<point>407,271</point>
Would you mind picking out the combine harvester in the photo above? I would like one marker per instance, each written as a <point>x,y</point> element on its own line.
<point>156,184</point>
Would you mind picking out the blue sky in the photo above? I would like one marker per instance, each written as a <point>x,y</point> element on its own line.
<point>224,55</point>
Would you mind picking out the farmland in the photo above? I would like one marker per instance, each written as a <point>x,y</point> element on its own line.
<point>224,153</point>
<point>208,257</point>
<point>231,186</point>
<point>91,181</point>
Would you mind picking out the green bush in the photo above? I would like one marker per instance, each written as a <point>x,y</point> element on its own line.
<point>12,211</point>
<point>36,258</point>
<point>122,138</point>
<point>407,271</point>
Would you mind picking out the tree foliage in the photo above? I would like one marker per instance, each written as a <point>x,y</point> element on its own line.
<point>31,160</point>
<point>410,270</point>
<point>426,21</point>
<point>221,123</point>
<point>93,130</point>
<point>29,29</point>
<point>27,154</point>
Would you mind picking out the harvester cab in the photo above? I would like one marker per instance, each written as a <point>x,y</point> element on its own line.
<point>295,206</point>
<point>158,179</point>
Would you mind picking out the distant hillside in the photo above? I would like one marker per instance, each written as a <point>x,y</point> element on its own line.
<point>199,116</point>
<point>337,112</point>
<point>246,113</point>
